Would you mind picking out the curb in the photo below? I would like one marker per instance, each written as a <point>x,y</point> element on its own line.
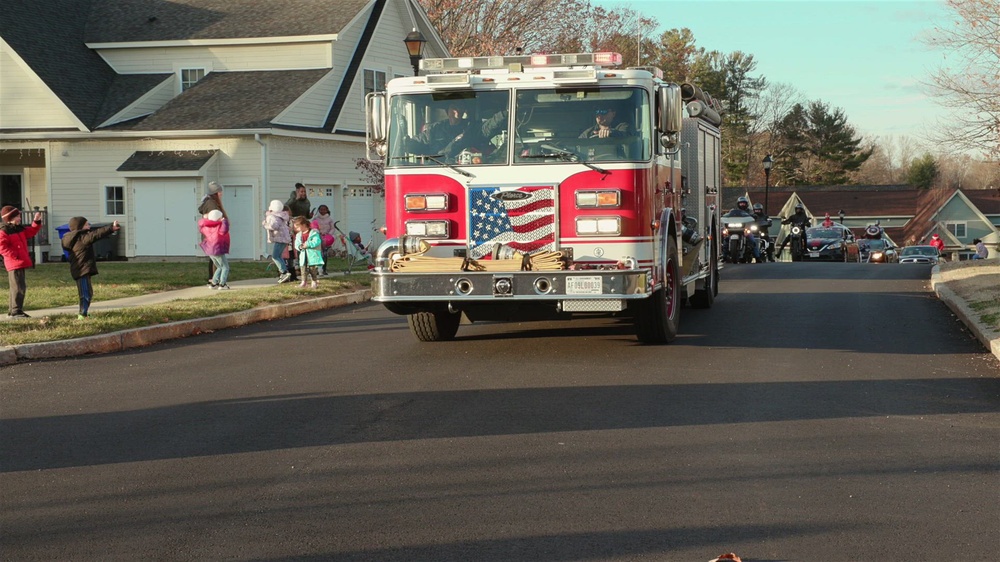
<point>986,336</point>
<point>141,337</point>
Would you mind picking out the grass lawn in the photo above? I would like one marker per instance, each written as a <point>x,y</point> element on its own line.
<point>50,286</point>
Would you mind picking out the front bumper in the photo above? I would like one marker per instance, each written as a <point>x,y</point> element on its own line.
<point>515,286</point>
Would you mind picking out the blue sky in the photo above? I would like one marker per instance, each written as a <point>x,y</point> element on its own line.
<point>861,56</point>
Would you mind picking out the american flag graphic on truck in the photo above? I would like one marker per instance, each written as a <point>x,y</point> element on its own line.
<point>522,218</point>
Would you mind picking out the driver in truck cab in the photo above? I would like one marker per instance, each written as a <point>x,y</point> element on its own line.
<point>445,136</point>
<point>606,126</point>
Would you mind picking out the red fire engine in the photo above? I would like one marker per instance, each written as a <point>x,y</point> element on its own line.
<point>544,187</point>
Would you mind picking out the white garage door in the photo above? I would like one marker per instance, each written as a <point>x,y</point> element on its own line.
<point>365,210</point>
<point>239,204</point>
<point>166,215</point>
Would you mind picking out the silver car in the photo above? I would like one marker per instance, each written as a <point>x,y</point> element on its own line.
<point>919,254</point>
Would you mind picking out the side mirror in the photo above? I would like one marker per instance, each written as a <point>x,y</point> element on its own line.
<point>768,223</point>
<point>376,124</point>
<point>669,114</point>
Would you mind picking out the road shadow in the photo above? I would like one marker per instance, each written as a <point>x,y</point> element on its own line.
<point>308,420</point>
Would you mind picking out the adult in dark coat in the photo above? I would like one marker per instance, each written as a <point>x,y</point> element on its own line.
<point>298,206</point>
<point>298,203</point>
<point>79,242</point>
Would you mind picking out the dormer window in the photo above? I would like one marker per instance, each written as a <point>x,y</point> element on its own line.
<point>190,77</point>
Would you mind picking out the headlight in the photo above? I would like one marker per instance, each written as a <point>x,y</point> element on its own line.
<point>595,199</point>
<point>796,230</point>
<point>427,202</point>
<point>596,226</point>
<point>834,246</point>
<point>734,225</point>
<point>429,229</point>
<point>876,255</point>
<point>753,228</point>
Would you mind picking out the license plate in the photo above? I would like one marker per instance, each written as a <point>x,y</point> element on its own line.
<point>734,237</point>
<point>581,285</point>
<point>813,254</point>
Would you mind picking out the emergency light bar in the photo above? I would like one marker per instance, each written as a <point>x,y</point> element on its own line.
<point>465,64</point>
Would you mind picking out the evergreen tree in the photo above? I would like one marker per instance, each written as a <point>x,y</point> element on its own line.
<point>818,146</point>
<point>923,172</point>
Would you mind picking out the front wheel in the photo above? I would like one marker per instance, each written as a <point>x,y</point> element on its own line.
<point>657,318</point>
<point>734,251</point>
<point>439,325</point>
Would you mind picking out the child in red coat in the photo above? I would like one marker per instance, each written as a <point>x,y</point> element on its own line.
<point>16,259</point>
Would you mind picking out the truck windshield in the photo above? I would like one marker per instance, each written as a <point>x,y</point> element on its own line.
<point>472,128</point>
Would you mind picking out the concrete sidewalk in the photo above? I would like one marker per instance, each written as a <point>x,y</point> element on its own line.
<point>139,337</point>
<point>152,298</point>
<point>959,306</point>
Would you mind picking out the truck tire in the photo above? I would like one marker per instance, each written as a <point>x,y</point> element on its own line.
<point>439,325</point>
<point>657,318</point>
<point>704,297</point>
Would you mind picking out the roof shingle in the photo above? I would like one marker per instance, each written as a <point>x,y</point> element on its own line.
<point>230,100</point>
<point>114,21</point>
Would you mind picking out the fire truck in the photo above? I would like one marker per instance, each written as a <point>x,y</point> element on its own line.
<point>542,187</point>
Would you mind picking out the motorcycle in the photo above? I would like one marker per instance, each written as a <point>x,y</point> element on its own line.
<point>736,234</point>
<point>764,244</point>
<point>796,239</point>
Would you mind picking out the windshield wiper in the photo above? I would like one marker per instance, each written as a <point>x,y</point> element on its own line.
<point>565,156</point>
<point>437,159</point>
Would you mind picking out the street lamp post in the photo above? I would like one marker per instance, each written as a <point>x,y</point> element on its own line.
<point>767,162</point>
<point>415,46</point>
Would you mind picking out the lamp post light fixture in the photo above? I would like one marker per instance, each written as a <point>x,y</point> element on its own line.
<point>415,47</point>
<point>842,215</point>
<point>767,162</point>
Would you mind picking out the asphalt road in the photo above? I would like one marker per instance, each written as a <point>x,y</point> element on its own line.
<point>833,412</point>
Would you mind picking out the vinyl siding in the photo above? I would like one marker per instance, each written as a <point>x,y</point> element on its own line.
<point>147,104</point>
<point>78,178</point>
<point>296,56</point>
<point>311,109</point>
<point>311,162</point>
<point>386,53</point>
<point>25,101</point>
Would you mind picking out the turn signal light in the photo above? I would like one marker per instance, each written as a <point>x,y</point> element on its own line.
<point>427,202</point>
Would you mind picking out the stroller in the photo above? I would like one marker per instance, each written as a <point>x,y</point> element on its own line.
<point>358,253</point>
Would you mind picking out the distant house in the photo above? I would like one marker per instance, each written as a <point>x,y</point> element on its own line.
<point>908,215</point>
<point>126,110</point>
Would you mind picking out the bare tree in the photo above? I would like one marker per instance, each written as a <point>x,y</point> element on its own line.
<point>969,82</point>
<point>879,169</point>
<point>499,27</point>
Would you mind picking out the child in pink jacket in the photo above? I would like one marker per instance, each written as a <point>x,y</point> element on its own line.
<point>215,229</point>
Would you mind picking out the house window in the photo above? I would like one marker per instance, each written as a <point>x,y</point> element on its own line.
<point>956,228</point>
<point>190,76</point>
<point>114,200</point>
<point>374,81</point>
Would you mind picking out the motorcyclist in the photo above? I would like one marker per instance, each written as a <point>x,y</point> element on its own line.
<point>799,219</point>
<point>742,209</point>
<point>762,225</point>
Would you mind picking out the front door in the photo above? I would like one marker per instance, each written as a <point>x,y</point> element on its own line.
<point>166,218</point>
<point>10,190</point>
